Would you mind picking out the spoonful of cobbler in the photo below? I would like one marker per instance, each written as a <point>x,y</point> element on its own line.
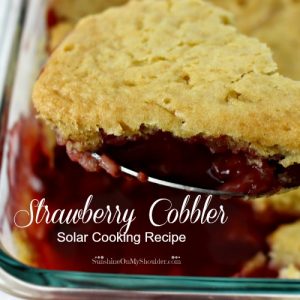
<point>171,93</point>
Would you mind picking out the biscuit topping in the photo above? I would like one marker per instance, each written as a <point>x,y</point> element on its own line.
<point>175,66</point>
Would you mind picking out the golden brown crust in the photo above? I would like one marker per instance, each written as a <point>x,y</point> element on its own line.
<point>285,246</point>
<point>274,22</point>
<point>178,66</point>
<point>287,203</point>
<point>282,34</point>
<point>277,23</point>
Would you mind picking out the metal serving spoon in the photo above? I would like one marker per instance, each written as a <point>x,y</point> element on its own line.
<point>173,185</point>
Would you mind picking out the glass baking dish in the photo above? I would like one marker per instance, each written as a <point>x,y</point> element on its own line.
<point>35,282</point>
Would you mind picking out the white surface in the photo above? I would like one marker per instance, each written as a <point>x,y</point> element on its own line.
<point>4,296</point>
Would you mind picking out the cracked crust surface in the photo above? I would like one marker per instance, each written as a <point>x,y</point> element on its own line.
<point>274,22</point>
<point>173,65</point>
<point>277,23</point>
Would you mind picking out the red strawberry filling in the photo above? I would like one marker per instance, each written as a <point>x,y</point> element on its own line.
<point>210,163</point>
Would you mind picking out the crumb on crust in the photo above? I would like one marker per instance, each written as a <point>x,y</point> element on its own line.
<point>182,68</point>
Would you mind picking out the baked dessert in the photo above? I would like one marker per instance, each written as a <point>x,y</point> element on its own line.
<point>39,169</point>
<point>46,171</point>
<point>285,248</point>
<point>284,203</point>
<point>123,78</point>
<point>274,22</point>
<point>240,250</point>
<point>283,256</point>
